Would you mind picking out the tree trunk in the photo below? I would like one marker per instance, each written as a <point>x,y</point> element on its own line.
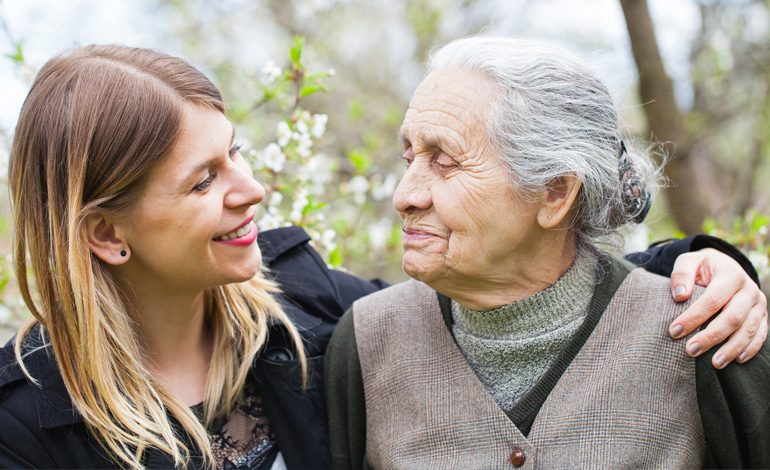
<point>665,120</point>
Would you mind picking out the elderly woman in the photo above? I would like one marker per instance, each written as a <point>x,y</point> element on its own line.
<point>519,341</point>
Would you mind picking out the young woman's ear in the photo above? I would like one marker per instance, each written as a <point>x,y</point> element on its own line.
<point>557,201</point>
<point>105,240</point>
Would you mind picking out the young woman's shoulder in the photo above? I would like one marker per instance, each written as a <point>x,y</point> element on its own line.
<point>314,296</point>
<point>20,446</point>
<point>40,427</point>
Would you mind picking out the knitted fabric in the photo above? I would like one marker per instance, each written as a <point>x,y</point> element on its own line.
<point>510,347</point>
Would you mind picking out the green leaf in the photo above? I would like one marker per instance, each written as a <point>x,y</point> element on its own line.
<point>18,55</point>
<point>310,89</point>
<point>356,110</point>
<point>295,53</point>
<point>710,226</point>
<point>238,112</point>
<point>360,160</point>
<point>759,221</point>
<point>335,257</point>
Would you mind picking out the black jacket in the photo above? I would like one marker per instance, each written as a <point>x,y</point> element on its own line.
<point>39,428</point>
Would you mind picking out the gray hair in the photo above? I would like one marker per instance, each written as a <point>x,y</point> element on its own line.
<point>553,118</point>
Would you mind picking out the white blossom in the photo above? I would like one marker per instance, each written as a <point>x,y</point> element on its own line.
<point>319,125</point>
<point>270,72</point>
<point>298,206</point>
<point>304,144</point>
<point>378,233</point>
<point>762,230</point>
<point>331,72</point>
<point>302,128</point>
<point>385,189</point>
<point>272,219</point>
<point>358,185</point>
<point>276,198</point>
<point>273,157</point>
<point>284,133</point>
<point>327,239</point>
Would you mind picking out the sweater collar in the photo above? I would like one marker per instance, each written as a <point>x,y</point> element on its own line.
<point>537,313</point>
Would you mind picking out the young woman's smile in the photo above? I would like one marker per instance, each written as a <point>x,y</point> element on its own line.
<point>193,226</point>
<point>244,235</point>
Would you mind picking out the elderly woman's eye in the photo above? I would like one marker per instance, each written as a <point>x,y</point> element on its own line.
<point>408,157</point>
<point>445,162</point>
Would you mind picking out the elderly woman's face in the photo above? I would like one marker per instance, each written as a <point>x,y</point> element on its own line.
<point>462,221</point>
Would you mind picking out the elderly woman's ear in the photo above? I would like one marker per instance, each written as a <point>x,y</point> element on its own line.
<point>557,202</point>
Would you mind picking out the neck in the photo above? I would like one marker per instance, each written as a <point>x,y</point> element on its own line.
<point>526,272</point>
<point>173,331</point>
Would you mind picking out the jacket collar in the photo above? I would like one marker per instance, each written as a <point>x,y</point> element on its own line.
<point>52,402</point>
<point>273,243</point>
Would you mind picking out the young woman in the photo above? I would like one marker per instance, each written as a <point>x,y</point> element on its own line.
<point>156,339</point>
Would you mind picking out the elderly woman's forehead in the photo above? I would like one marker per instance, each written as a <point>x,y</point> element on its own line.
<point>455,98</point>
<point>454,85</point>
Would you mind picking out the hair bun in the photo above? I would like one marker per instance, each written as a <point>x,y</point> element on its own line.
<point>636,199</point>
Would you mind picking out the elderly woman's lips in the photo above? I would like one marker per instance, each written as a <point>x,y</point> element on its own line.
<point>411,234</point>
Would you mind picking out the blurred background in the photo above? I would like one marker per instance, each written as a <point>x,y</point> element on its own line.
<point>318,89</point>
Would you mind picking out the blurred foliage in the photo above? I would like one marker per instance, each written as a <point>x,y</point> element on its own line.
<point>752,235</point>
<point>730,113</point>
<point>324,144</point>
<point>307,187</point>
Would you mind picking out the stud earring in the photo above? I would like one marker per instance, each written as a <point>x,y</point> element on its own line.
<point>123,253</point>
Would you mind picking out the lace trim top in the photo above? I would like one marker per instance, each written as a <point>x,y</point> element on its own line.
<point>244,440</point>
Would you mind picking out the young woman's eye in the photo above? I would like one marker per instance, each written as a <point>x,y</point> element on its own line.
<point>204,185</point>
<point>235,149</point>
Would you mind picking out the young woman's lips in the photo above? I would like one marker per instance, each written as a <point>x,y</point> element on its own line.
<point>244,240</point>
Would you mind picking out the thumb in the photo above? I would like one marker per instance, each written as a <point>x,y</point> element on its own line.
<point>683,275</point>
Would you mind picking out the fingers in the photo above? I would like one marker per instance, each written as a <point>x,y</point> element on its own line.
<point>756,344</point>
<point>737,343</point>
<point>716,295</point>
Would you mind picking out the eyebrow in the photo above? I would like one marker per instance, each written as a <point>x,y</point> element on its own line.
<point>427,141</point>
<point>209,161</point>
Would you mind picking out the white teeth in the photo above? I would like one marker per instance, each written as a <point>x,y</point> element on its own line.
<point>237,233</point>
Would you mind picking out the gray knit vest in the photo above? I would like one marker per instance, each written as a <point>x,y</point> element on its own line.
<point>627,400</point>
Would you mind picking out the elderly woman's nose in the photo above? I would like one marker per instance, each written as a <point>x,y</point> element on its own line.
<point>411,193</point>
<point>244,190</point>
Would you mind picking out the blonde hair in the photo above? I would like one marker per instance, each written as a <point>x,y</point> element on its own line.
<point>96,121</point>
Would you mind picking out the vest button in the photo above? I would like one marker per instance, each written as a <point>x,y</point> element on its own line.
<point>517,457</point>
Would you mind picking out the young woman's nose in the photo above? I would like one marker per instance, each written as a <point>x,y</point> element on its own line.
<point>244,189</point>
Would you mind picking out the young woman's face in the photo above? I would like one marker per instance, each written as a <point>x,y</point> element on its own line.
<point>192,227</point>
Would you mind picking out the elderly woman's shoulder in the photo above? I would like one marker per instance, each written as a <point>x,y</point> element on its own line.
<point>407,292</point>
